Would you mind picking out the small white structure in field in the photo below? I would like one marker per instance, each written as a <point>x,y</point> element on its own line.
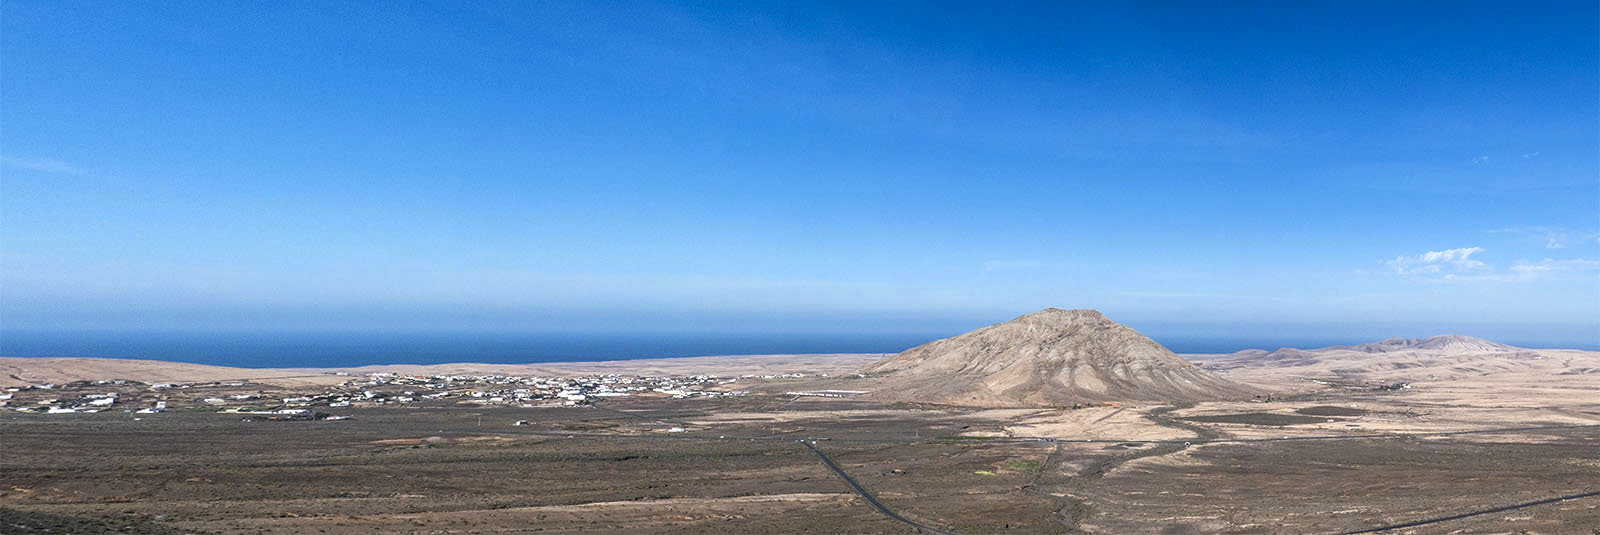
<point>676,430</point>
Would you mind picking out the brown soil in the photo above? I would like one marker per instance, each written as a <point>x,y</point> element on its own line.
<point>1434,450</point>
<point>583,469</point>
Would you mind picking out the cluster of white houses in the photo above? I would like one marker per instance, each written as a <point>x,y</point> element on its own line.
<point>87,402</point>
<point>373,389</point>
<point>506,389</point>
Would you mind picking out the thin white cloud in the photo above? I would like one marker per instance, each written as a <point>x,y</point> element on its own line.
<point>1433,262</point>
<point>1530,155</point>
<point>1551,268</point>
<point>1552,237</point>
<point>1457,265</point>
<point>1480,160</point>
<point>44,165</point>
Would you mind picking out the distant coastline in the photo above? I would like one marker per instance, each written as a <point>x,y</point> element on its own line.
<point>21,372</point>
<point>345,350</point>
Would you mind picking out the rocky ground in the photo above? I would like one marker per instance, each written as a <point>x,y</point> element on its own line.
<point>1350,463</point>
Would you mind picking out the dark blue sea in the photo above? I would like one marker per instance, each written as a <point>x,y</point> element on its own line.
<point>342,349</point>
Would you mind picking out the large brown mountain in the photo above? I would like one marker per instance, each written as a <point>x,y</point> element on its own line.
<point>1050,357</point>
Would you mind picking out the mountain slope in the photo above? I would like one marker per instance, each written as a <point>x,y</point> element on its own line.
<point>1049,357</point>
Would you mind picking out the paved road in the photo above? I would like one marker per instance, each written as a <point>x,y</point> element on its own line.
<point>1476,513</point>
<point>868,495</point>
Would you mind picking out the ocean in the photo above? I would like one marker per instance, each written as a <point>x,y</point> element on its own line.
<point>276,349</point>
<point>342,349</point>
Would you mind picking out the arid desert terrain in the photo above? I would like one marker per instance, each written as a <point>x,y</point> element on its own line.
<point>1057,422</point>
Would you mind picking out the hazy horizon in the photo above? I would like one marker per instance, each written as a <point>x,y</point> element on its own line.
<point>1232,172</point>
<point>267,348</point>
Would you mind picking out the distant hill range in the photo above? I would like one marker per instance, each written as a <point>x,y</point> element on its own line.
<point>1446,345</point>
<point>1051,357</point>
<point>1432,358</point>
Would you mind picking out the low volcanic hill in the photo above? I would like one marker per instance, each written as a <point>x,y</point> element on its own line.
<point>1051,357</point>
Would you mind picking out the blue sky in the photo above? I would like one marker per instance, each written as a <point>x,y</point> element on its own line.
<point>857,166</point>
